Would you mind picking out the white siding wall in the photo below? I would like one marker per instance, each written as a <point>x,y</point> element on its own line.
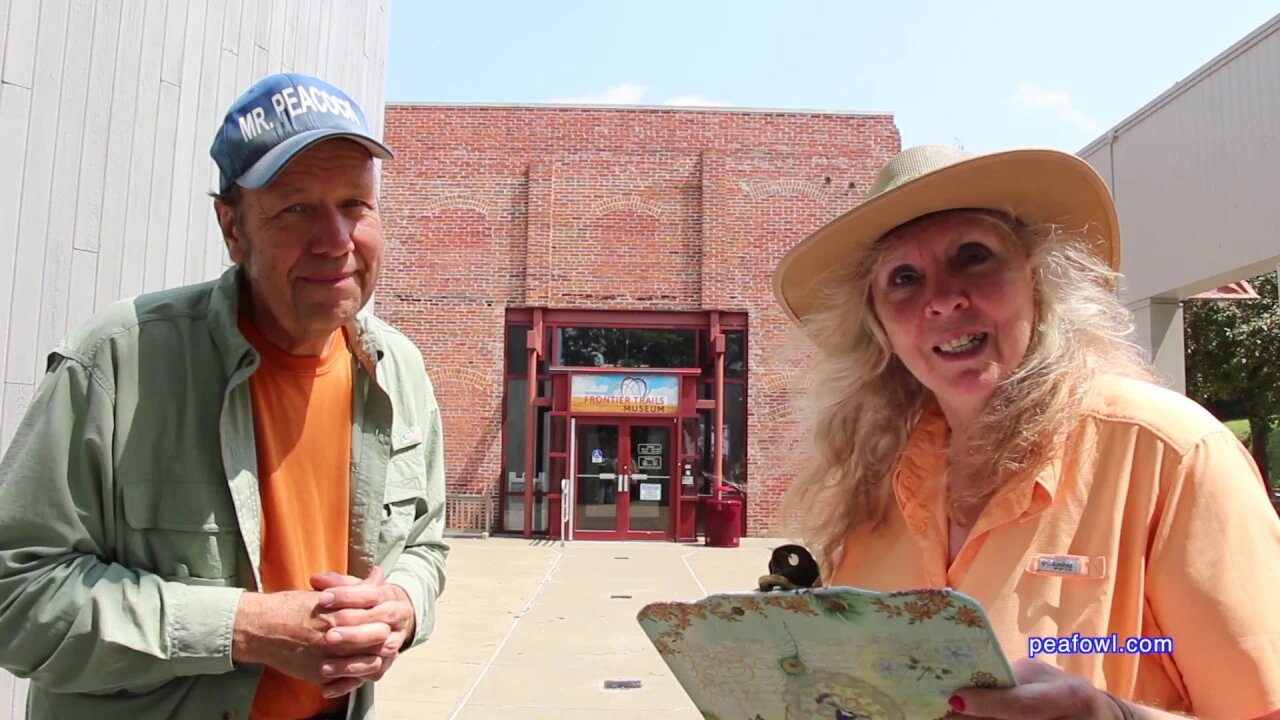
<point>107,110</point>
<point>1194,175</point>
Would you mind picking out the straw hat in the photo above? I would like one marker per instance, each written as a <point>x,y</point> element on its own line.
<point>1036,186</point>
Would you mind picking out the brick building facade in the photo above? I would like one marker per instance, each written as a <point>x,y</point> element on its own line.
<point>622,227</point>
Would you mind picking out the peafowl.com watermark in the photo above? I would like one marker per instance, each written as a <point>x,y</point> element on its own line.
<point>1109,645</point>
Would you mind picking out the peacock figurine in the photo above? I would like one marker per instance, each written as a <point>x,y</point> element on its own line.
<point>791,567</point>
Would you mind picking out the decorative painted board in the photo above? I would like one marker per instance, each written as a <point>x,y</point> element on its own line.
<point>832,653</point>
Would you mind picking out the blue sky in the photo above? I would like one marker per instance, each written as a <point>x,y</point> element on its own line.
<point>984,74</point>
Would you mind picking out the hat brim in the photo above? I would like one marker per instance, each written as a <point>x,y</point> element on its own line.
<point>1036,186</point>
<point>275,160</point>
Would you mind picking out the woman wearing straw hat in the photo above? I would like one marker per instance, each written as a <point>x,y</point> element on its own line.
<point>983,423</point>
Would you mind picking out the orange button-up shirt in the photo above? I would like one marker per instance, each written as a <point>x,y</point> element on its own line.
<point>1168,510</point>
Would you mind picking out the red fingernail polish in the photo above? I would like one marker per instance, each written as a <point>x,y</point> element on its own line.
<point>957,703</point>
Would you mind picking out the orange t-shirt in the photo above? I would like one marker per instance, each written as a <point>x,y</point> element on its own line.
<point>1169,511</point>
<point>302,427</point>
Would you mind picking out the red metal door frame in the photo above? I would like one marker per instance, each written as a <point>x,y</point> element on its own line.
<point>542,320</point>
<point>622,522</point>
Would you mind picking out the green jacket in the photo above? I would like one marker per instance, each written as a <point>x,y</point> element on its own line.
<point>129,507</point>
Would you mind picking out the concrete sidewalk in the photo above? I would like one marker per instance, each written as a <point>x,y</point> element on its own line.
<point>531,630</point>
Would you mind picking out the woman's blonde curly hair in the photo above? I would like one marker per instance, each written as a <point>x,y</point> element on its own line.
<point>864,402</point>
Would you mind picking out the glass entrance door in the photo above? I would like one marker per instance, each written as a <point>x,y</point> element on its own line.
<point>623,489</point>
<point>648,481</point>
<point>596,497</point>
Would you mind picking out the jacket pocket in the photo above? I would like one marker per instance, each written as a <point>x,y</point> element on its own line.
<point>186,532</point>
<point>407,465</point>
<point>402,504</point>
<point>403,499</point>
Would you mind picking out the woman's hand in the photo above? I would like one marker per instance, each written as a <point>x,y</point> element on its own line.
<point>1043,692</point>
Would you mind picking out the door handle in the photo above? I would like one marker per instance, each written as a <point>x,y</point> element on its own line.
<point>622,483</point>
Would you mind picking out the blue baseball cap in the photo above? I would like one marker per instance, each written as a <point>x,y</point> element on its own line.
<point>279,117</point>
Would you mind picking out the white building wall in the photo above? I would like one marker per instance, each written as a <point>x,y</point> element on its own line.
<point>107,110</point>
<point>1194,176</point>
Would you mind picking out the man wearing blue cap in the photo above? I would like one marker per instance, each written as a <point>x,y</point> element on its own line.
<point>226,500</point>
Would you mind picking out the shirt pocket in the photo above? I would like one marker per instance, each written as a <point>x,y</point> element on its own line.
<point>181,531</point>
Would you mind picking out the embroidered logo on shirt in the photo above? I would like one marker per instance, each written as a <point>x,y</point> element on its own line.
<point>1079,566</point>
<point>409,436</point>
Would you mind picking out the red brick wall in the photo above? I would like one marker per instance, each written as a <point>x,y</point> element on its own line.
<point>612,209</point>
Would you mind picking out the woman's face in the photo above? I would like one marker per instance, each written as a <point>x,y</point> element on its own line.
<point>957,303</point>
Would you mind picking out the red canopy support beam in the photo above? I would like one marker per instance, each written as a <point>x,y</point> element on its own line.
<point>533,342</point>
<point>717,346</point>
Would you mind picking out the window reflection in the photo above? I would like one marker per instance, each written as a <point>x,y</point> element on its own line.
<point>626,347</point>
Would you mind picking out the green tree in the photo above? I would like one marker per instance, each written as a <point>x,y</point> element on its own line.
<point>1233,361</point>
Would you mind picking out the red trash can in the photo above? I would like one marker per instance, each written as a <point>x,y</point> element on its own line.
<point>724,522</point>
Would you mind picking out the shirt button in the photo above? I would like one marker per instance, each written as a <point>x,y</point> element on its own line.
<point>229,715</point>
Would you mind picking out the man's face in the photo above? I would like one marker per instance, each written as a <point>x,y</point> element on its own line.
<point>310,244</point>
